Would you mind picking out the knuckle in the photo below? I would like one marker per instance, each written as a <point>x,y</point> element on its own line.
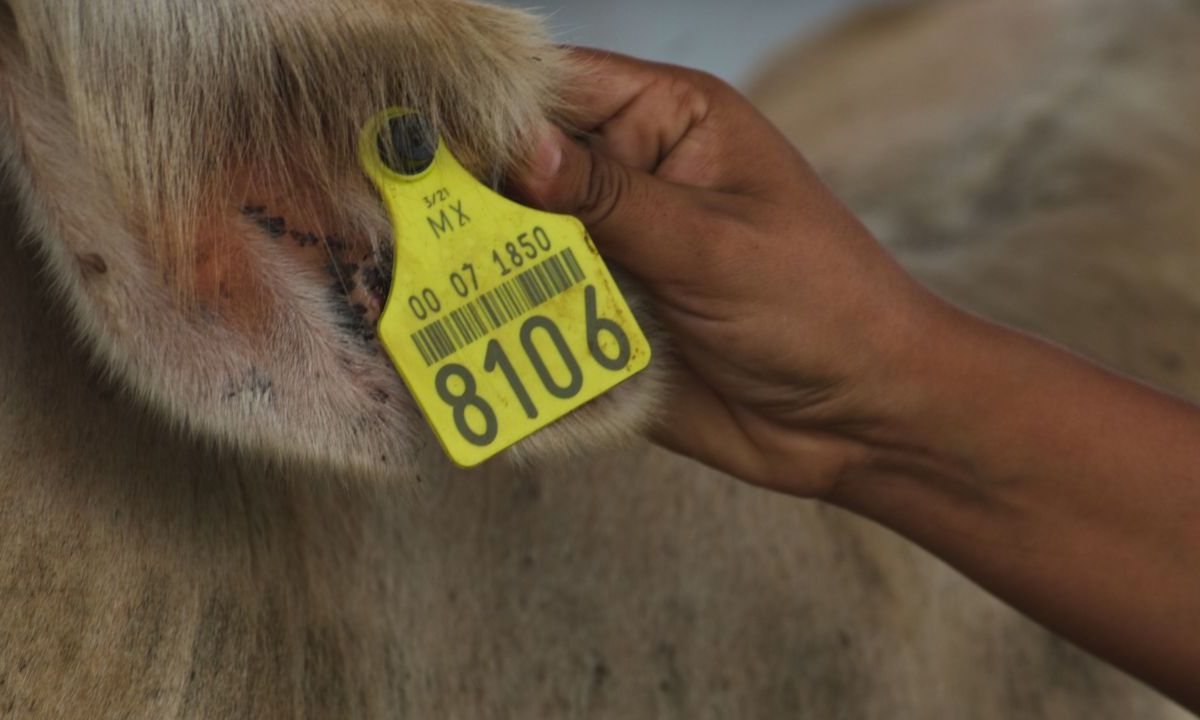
<point>706,83</point>
<point>607,189</point>
<point>687,92</point>
<point>690,96</point>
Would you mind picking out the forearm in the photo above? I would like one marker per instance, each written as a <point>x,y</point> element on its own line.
<point>1069,492</point>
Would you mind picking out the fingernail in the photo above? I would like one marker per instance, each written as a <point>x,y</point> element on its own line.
<point>548,157</point>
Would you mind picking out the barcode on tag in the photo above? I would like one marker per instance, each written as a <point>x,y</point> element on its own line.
<point>498,307</point>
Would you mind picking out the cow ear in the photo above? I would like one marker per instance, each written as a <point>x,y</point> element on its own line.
<point>224,258</point>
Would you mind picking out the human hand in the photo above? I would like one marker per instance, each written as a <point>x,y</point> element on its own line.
<point>812,364</point>
<point>790,322</point>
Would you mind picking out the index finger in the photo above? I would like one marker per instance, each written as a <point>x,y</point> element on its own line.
<point>634,110</point>
<point>610,82</point>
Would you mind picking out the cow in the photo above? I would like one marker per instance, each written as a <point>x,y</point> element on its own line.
<point>217,498</point>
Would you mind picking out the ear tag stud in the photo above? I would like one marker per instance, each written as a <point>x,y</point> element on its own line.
<point>501,318</point>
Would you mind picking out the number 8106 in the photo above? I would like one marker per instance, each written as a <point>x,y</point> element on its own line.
<point>466,396</point>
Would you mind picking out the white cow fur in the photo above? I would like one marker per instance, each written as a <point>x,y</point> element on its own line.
<point>180,538</point>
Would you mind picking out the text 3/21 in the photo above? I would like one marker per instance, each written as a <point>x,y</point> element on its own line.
<point>467,397</point>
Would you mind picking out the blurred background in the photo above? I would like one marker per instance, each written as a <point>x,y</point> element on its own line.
<point>729,39</point>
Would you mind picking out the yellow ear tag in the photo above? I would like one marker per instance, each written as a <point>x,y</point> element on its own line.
<point>501,319</point>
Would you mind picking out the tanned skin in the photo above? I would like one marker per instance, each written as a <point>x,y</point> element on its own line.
<point>816,367</point>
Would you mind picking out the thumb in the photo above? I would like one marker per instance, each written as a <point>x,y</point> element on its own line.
<point>638,220</point>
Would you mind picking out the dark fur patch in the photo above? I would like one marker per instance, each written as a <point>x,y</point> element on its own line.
<point>93,263</point>
<point>372,274</point>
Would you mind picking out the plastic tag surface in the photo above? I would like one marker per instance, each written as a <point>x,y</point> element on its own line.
<point>501,319</point>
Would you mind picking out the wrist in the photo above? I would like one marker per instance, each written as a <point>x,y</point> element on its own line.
<point>896,414</point>
<point>964,409</point>
<point>939,379</point>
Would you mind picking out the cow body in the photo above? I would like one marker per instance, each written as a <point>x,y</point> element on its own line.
<point>149,572</point>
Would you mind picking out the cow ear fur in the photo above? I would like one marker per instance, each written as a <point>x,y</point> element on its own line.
<point>202,216</point>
